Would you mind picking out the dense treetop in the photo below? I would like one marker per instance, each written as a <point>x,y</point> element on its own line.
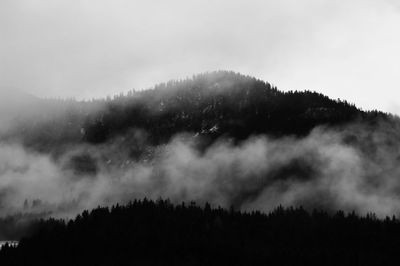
<point>159,233</point>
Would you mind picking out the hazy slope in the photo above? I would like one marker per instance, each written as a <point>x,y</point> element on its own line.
<point>220,137</point>
<point>214,104</point>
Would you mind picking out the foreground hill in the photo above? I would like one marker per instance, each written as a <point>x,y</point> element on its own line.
<point>159,233</point>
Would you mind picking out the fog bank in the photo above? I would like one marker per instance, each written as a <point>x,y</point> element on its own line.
<point>353,168</point>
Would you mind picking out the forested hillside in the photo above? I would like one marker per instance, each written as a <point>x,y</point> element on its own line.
<point>212,104</point>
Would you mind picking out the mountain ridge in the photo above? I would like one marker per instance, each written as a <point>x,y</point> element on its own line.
<point>221,103</point>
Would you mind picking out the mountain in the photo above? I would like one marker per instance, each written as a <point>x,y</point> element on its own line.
<point>219,138</point>
<point>216,104</point>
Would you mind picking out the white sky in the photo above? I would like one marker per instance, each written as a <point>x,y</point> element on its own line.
<point>93,48</point>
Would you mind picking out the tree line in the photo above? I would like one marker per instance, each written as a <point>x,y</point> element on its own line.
<point>146,232</point>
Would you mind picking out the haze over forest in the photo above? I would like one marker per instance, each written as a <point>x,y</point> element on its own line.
<point>192,132</point>
<point>220,137</point>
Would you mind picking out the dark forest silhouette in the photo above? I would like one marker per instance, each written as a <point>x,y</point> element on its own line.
<point>159,233</point>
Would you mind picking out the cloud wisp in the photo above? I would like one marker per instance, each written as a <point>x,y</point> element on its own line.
<point>329,169</point>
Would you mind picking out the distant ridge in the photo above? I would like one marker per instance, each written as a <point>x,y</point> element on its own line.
<point>213,104</point>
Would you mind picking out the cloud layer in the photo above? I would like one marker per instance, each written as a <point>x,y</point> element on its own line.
<point>350,169</point>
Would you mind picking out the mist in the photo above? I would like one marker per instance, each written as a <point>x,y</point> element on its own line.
<point>352,168</point>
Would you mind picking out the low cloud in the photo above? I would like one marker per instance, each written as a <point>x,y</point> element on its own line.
<point>353,168</point>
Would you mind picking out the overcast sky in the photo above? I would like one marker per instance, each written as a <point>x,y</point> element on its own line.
<point>95,48</point>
